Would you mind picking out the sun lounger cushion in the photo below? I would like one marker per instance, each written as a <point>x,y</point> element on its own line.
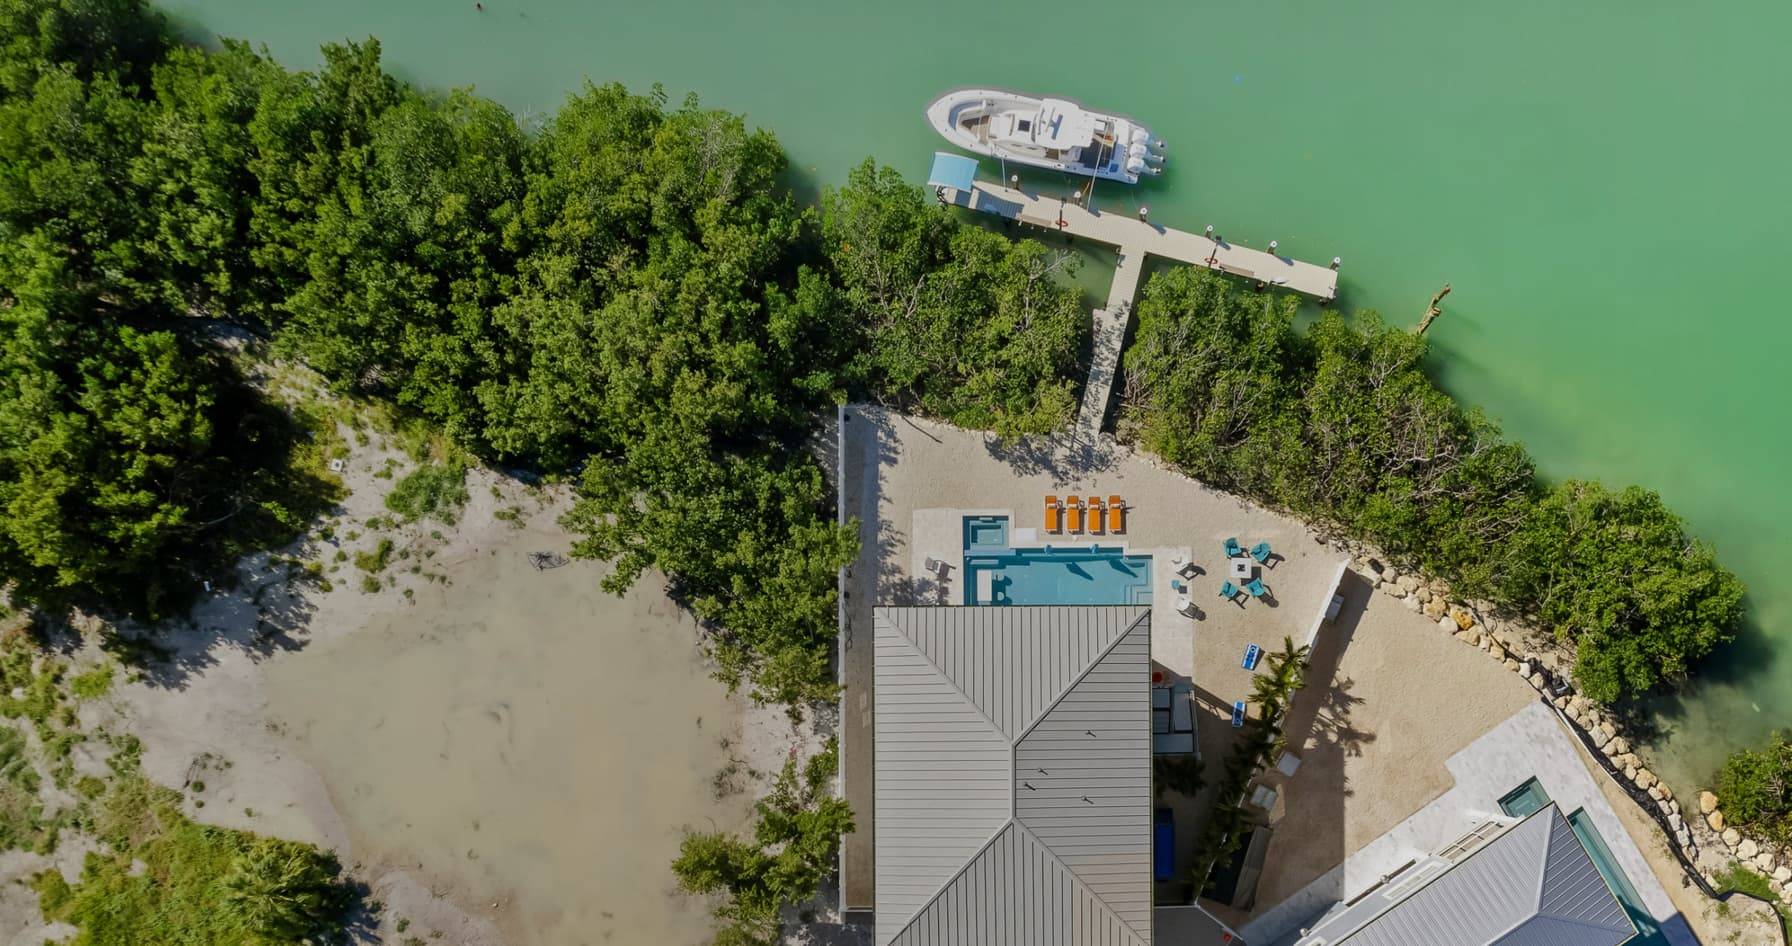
<point>1095,519</point>
<point>1054,514</point>
<point>1116,515</point>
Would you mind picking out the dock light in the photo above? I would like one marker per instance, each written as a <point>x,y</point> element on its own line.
<point>1209,233</point>
<point>1142,212</point>
<point>1272,246</point>
<point>1015,181</point>
<point>1161,144</point>
<point>1337,261</point>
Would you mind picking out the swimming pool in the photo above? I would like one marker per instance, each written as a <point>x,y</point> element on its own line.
<point>1531,796</point>
<point>1065,574</point>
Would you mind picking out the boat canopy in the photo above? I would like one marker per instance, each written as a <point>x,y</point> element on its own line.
<point>1063,124</point>
<point>952,170</point>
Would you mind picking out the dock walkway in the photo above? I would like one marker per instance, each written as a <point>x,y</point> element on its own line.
<point>1135,239</point>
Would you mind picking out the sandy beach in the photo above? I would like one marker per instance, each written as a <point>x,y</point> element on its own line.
<point>505,754</point>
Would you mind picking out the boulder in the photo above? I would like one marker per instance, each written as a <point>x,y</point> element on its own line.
<point>1645,779</point>
<point>1782,873</point>
<point>1424,595</point>
<point>1511,664</point>
<point>1494,647</point>
<point>1748,849</point>
<point>1655,793</point>
<point>1463,619</point>
<point>1715,819</point>
<point>1434,609</point>
<point>1447,626</point>
<point>1538,681</point>
<point>1630,773</point>
<point>1620,746</point>
<point>1599,738</point>
<point>1683,839</point>
<point>1786,896</point>
<point>1677,824</point>
<point>1764,861</point>
<point>1412,604</point>
<point>1465,637</point>
<point>1408,583</point>
<point>1732,837</point>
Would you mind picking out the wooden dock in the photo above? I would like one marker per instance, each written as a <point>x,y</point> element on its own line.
<point>1135,239</point>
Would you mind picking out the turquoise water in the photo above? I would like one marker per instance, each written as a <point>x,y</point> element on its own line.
<point>1065,574</point>
<point>1601,181</point>
<point>985,532</point>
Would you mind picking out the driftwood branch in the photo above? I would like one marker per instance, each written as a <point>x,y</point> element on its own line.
<point>1434,310</point>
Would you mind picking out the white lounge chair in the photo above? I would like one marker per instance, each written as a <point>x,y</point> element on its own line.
<point>1185,607</point>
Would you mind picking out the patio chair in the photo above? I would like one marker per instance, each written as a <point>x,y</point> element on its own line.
<point>1054,514</point>
<point>1075,506</point>
<point>1260,552</point>
<point>933,565</point>
<point>1228,590</point>
<point>1185,607</point>
<point>1256,588</point>
<point>1237,714</point>
<point>1116,515</point>
<point>1188,570</point>
<point>1233,549</point>
<point>1096,520</point>
<point>1252,654</point>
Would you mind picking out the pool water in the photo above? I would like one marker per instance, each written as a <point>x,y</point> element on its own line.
<point>1074,574</point>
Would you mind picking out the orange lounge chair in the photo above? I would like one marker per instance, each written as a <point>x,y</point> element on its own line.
<point>1116,515</point>
<point>1095,519</point>
<point>1076,515</point>
<point>1054,514</point>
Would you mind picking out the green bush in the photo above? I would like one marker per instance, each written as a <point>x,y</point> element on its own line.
<point>433,489</point>
<point>1755,789</point>
<point>1339,423</point>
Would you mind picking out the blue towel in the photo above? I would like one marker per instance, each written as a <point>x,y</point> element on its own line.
<point>1251,655</point>
<point>1237,714</point>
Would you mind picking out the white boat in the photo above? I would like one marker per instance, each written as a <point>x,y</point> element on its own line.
<point>1047,133</point>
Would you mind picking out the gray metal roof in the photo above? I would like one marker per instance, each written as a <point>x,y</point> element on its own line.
<point>1012,794</point>
<point>1534,885</point>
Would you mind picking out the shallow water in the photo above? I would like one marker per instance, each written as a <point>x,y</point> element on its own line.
<point>520,736</point>
<point>1600,181</point>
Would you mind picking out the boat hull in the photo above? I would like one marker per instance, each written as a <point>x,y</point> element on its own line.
<point>1053,134</point>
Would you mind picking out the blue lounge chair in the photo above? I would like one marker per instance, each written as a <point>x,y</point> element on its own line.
<point>1255,587</point>
<point>1228,590</point>
<point>1260,552</point>
<point>1252,654</point>
<point>1237,714</point>
<point>1233,549</point>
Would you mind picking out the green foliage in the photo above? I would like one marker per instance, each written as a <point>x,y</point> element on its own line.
<point>284,891</point>
<point>1177,774</point>
<point>960,322</point>
<point>1340,424</point>
<point>376,560</point>
<point>438,490</point>
<point>795,839</point>
<point>93,684</point>
<point>1229,823</point>
<point>1755,789</point>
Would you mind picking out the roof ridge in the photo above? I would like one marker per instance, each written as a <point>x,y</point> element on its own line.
<point>1076,880</point>
<point>940,672</point>
<point>952,878</point>
<point>1143,616</point>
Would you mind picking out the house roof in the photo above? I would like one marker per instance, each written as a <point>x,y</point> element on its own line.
<point>1534,885</point>
<point>1012,785</point>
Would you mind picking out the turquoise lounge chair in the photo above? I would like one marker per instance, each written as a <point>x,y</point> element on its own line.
<point>1233,549</point>
<point>1255,587</point>
<point>1260,552</point>
<point>1228,590</point>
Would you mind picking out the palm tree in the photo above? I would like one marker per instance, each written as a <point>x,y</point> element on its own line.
<point>283,890</point>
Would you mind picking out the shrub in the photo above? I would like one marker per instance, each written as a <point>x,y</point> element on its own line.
<point>433,489</point>
<point>1755,789</point>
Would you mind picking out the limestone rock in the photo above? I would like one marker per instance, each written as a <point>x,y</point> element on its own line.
<point>1408,583</point>
<point>1538,681</point>
<point>1434,609</point>
<point>1677,824</point>
<point>1629,772</point>
<point>1447,626</point>
<point>1463,619</point>
<point>1599,738</point>
<point>1782,873</point>
<point>1620,746</point>
<point>1425,595</point>
<point>1786,895</point>
<point>1764,861</point>
<point>1748,849</point>
<point>1494,647</point>
<point>1715,819</point>
<point>1732,837</point>
<point>1512,664</point>
<point>1682,838</point>
<point>1645,779</point>
<point>1655,793</point>
<point>1412,604</point>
